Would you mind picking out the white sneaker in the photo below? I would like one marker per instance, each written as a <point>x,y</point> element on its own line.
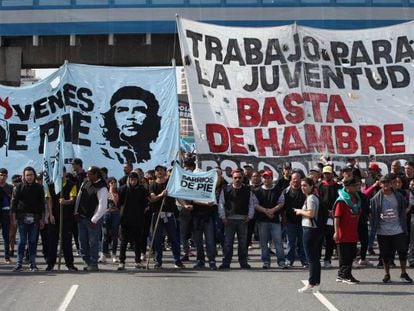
<point>102,259</point>
<point>115,259</point>
<point>306,289</point>
<point>142,257</point>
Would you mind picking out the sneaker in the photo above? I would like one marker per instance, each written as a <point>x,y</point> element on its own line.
<point>72,268</point>
<point>7,261</point>
<point>139,265</point>
<point>245,266</point>
<point>49,268</point>
<point>327,264</point>
<point>34,268</point>
<point>102,259</point>
<point>339,279</point>
<point>387,278</point>
<point>283,265</point>
<point>121,267</point>
<point>179,265</point>
<point>306,289</point>
<point>18,268</point>
<point>350,280</point>
<point>266,266</point>
<point>364,263</point>
<point>212,266</point>
<point>224,266</point>
<point>93,268</point>
<point>199,265</point>
<point>185,258</point>
<point>405,278</point>
<point>115,259</point>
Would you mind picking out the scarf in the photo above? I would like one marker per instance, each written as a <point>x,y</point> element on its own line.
<point>346,197</point>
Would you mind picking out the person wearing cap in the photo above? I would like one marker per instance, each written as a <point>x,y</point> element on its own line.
<point>388,209</point>
<point>315,173</point>
<point>328,193</point>
<point>346,211</point>
<point>133,200</point>
<point>167,223</point>
<point>347,172</point>
<point>268,210</point>
<point>236,208</point>
<point>91,205</point>
<point>284,181</point>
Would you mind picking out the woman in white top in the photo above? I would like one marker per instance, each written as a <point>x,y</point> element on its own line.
<point>312,235</point>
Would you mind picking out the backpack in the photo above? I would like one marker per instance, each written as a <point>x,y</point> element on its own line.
<point>321,217</point>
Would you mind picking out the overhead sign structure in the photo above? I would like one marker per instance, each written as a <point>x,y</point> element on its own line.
<point>262,95</point>
<point>111,116</point>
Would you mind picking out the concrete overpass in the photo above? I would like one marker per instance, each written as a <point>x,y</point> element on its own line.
<point>45,33</point>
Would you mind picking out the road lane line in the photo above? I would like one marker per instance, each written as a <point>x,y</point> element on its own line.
<point>323,299</point>
<point>68,298</point>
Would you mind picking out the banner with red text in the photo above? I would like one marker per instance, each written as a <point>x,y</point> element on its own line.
<point>265,95</point>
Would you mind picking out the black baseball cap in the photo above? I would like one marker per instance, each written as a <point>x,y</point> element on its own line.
<point>161,167</point>
<point>77,161</point>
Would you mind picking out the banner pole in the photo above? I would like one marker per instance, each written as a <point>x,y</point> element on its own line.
<point>60,230</point>
<point>154,231</point>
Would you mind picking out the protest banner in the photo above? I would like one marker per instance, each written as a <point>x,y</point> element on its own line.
<point>194,186</point>
<point>111,116</point>
<point>266,95</point>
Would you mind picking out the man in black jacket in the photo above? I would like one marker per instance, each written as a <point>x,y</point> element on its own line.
<point>133,199</point>
<point>28,205</point>
<point>91,204</point>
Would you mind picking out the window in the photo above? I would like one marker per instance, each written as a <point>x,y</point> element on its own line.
<point>17,2</point>
<point>54,2</point>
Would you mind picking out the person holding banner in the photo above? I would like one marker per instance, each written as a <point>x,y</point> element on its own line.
<point>67,199</point>
<point>91,205</point>
<point>165,207</point>
<point>236,209</point>
<point>133,200</point>
<point>28,207</point>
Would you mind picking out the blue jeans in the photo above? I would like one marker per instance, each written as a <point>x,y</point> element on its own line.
<point>206,227</point>
<point>312,239</point>
<point>27,232</point>
<point>5,227</point>
<point>269,231</point>
<point>110,232</point>
<point>294,241</point>
<point>235,226</point>
<point>89,241</point>
<point>172,231</point>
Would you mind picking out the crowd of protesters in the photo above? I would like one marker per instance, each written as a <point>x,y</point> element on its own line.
<point>297,214</point>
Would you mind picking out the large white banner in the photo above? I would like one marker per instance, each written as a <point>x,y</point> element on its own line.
<point>110,115</point>
<point>265,95</point>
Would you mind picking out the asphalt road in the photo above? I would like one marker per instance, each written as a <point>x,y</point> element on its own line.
<point>189,289</point>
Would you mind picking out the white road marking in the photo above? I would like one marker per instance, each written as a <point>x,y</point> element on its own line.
<point>68,298</point>
<point>323,299</point>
